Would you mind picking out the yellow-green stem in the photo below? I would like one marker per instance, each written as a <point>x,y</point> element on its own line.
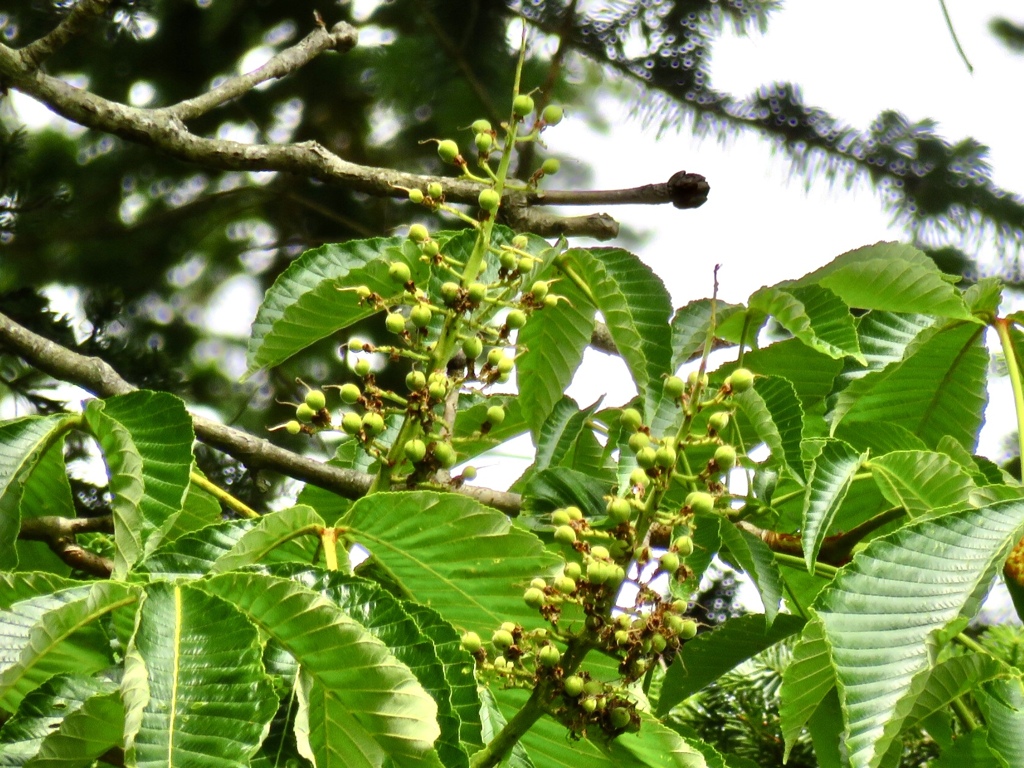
<point>1013,365</point>
<point>329,541</point>
<point>223,496</point>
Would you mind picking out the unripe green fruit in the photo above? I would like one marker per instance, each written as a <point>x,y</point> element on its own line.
<point>508,260</point>
<point>494,355</point>
<point>477,292</point>
<point>525,264</point>
<point>522,105</point>
<point>645,457</point>
<point>688,630</point>
<point>725,457</point>
<point>472,347</point>
<point>416,196</point>
<point>450,291</point>
<point>718,421</point>
<point>438,390</point>
<point>599,552</point>
<point>500,662</point>
<point>505,365</point>
<point>552,114</point>
<point>520,242</point>
<point>618,575</point>
<point>480,126</point>
<point>495,415</point>
<point>435,190</point>
<point>534,598</point>
<point>598,572</point>
<point>740,380</point>
<point>701,503</point>
<point>565,535</point>
<point>415,450</point>
<point>639,478</point>
<point>560,517</point>
<point>400,272</point>
<point>420,315</point>
<point>573,570</point>
<point>551,300</point>
<point>363,292</point>
<point>304,413</point>
<point>293,427</point>
<point>445,455</point>
<point>489,200</point>
<point>573,686</point>
<point>508,626</point>
<point>674,386</point>
<point>621,637</point>
<point>502,639</point>
<point>539,290</point>
<point>630,418</point>
<point>674,622</point>
<point>430,248</point>
<point>483,141</point>
<point>418,233</point>
<point>658,643</point>
<point>548,656</point>
<point>619,718</point>
<point>589,706</point>
<point>362,367</point>
<point>516,319</point>
<point>448,150</point>
<point>665,457</point>
<point>469,473</point>
<point>373,423</point>
<point>574,512</point>
<point>683,545</point>
<point>350,393</point>
<point>538,582</point>
<point>618,510</point>
<point>565,585</point>
<point>395,322</point>
<point>551,166</point>
<point>351,423</point>
<point>471,642</point>
<point>694,377</point>
<point>638,441</point>
<point>315,399</point>
<point>415,380</point>
<point>669,562</point>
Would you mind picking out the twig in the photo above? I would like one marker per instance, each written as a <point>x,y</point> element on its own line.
<point>58,533</point>
<point>37,52</point>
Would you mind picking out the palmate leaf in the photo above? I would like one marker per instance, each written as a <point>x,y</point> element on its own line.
<point>146,439</point>
<point>194,686</point>
<point>23,443</point>
<point>917,581</point>
<point>463,559</point>
<point>637,309</point>
<point>815,316</point>
<point>777,417</point>
<point>830,479</point>
<point>806,682</point>
<point>377,707</point>
<point>920,481</point>
<point>315,296</point>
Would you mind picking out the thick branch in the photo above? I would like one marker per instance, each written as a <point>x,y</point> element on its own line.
<point>58,533</point>
<point>98,377</point>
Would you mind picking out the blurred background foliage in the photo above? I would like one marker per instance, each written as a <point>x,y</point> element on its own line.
<point>152,250</point>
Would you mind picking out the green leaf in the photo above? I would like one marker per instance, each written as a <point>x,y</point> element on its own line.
<point>884,339</point>
<point>146,439</point>
<point>637,308</point>
<point>1002,704</point>
<point>814,315</point>
<point>315,296</point>
<point>918,581</point>
<point>269,533</point>
<point>711,654</point>
<point>654,746</point>
<point>938,390</point>
<point>831,475</point>
<point>554,488</point>
<point>47,492</point>
<point>826,728</point>
<point>471,418</point>
<point>463,559</point>
<point>970,750</point>
<point>374,704</point>
<point>774,410</point>
<point>878,438</point>
<point>952,678</point>
<point>555,339</point>
<point>50,634</point>
<point>756,560</point>
<point>560,431</point>
<point>84,734</point>
<point>806,681</point>
<point>493,721</point>
<point>690,326</point>
<point>199,510</point>
<point>23,443</point>
<point>920,481</point>
<point>811,373</point>
<point>15,587</point>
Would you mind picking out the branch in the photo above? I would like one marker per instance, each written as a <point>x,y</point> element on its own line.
<point>98,377</point>
<point>58,533</point>
<point>37,52</point>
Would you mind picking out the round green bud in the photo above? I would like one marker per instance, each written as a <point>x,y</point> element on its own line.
<point>539,290</point>
<point>469,473</point>
<point>494,355</point>
<point>551,300</point>
<point>601,553</point>
<point>515,319</point>
<point>630,418</point>
<point>415,380</point>
<point>445,455</point>
<point>638,441</point>
<point>399,272</point>
<point>552,114</point>
<point>304,413</point>
<point>740,380</point>
<point>565,535</point>
<point>574,512</point>
<point>350,393</point>
<point>502,639</point>
<point>477,292</point>
<point>669,562</point>
<point>483,141</point>
<point>447,150</point>
<point>674,622</point>
<point>538,582</point>
<point>418,233</point>
<point>373,423</point>
<point>472,347</point>
<point>351,423</point>
<point>361,367</point>
<point>500,662</point>
<point>471,642</point>
<point>573,686</point>
<point>658,643</point>
<point>639,478</point>
<point>315,399</point>
<point>560,517</point>
<point>619,510</point>
<point>505,365</point>
<point>495,415</point>
<point>688,629</point>
<point>548,656</point>
<point>450,291</point>
<point>489,200</point>
<point>293,427</point>
<point>598,572</point>
<point>619,718</point>
<point>438,390</point>
<point>435,190</point>
<point>508,626</point>
<point>534,597</point>
<point>508,260</point>
<point>430,248</point>
<point>480,126</point>
<point>683,545</point>
<point>525,264</point>
<point>415,450</point>
<point>718,421</point>
<point>520,242</point>
<point>416,196</point>
<point>565,585</point>
<point>621,637</point>
<point>420,315</point>
<point>588,705</point>
<point>395,322</point>
<point>551,166</point>
<point>573,570</point>
<point>674,386</point>
<point>522,105</point>
<point>694,377</point>
<point>645,457</point>
<point>363,292</point>
<point>618,575</point>
<point>725,457</point>
<point>701,503</point>
<point>665,457</point>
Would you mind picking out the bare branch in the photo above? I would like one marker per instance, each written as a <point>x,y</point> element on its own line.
<point>58,533</point>
<point>82,13</point>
